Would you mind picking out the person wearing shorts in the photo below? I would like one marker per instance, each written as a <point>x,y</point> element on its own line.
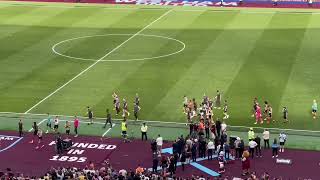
<point>56,124</point>
<point>258,115</point>
<point>67,126</point>
<point>136,109</point>
<point>225,110</point>
<point>125,110</point>
<point>285,114</point>
<point>137,99</point>
<point>218,100</point>
<point>314,109</point>
<point>185,104</point>
<point>282,141</point>
<point>265,113</point>
<point>90,115</point>
<point>269,114</point>
<point>39,134</point>
<point>49,122</point>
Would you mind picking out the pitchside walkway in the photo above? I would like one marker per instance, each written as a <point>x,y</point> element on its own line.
<point>22,157</point>
<point>297,139</point>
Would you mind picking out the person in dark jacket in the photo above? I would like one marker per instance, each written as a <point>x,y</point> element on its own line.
<point>258,147</point>
<point>59,145</point>
<point>194,152</point>
<point>175,147</point>
<point>207,128</point>
<point>172,166</point>
<point>226,148</point>
<point>155,163</point>
<point>164,163</point>
<point>241,146</point>
<point>154,146</point>
<point>176,159</point>
<point>203,148</point>
<point>20,126</point>
<point>224,138</point>
<point>218,127</point>
<point>216,143</point>
<point>181,144</point>
<point>183,160</point>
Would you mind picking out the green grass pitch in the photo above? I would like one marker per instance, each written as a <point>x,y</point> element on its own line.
<point>245,53</point>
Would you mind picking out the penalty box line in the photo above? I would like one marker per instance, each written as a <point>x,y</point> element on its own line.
<point>92,65</point>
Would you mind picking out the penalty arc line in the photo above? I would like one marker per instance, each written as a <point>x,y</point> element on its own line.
<point>92,65</point>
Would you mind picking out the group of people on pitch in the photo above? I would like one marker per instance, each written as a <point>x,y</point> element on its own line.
<point>267,114</point>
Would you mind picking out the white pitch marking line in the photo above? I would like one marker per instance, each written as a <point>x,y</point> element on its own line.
<point>38,124</point>
<point>105,133</point>
<point>183,46</point>
<point>92,65</point>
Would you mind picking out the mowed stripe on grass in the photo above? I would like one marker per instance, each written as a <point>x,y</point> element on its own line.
<point>45,70</point>
<point>134,82</point>
<point>88,89</point>
<point>216,43</point>
<point>163,74</point>
<point>304,83</point>
<point>266,71</point>
<point>217,65</point>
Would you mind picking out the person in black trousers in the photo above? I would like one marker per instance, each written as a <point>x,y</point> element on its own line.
<point>207,128</point>
<point>175,158</point>
<point>171,166</point>
<point>224,138</point>
<point>108,119</point>
<point>155,163</point>
<point>226,148</point>
<point>194,152</point>
<point>144,129</point>
<point>154,146</point>
<point>191,127</point>
<point>20,128</point>
<point>258,147</point>
<point>175,147</point>
<point>218,127</point>
<point>203,146</point>
<point>183,159</point>
<point>181,145</point>
<point>241,149</point>
<point>59,145</point>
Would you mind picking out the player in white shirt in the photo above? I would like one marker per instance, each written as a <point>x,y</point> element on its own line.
<point>56,124</point>
<point>282,141</point>
<point>159,141</point>
<point>185,104</point>
<point>252,145</point>
<point>223,127</point>
<point>266,138</point>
